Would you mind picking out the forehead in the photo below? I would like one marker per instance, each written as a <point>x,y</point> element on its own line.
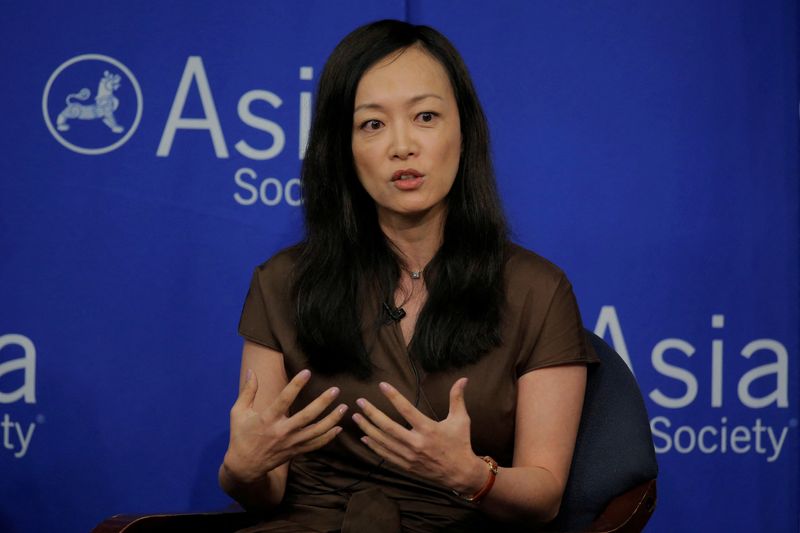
<point>403,75</point>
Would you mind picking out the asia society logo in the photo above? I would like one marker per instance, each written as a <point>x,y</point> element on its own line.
<point>756,420</point>
<point>92,104</point>
<point>17,385</point>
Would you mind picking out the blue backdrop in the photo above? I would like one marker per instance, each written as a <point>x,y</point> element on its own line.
<point>150,160</point>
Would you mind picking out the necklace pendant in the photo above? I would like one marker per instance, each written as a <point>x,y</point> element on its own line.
<point>415,274</point>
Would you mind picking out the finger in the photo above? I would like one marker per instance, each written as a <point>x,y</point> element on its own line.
<point>397,447</point>
<point>310,412</point>
<point>385,453</point>
<point>317,443</point>
<point>403,406</point>
<point>457,404</point>
<point>248,393</point>
<point>380,419</point>
<point>323,426</point>
<point>289,393</point>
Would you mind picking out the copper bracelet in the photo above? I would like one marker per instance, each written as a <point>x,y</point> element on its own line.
<point>483,491</point>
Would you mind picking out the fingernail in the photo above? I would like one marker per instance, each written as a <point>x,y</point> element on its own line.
<point>361,402</point>
<point>337,430</point>
<point>365,440</point>
<point>342,409</point>
<point>384,386</point>
<point>305,373</point>
<point>333,391</point>
<point>249,373</point>
<point>356,417</point>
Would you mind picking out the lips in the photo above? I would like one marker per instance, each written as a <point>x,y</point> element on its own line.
<point>406,174</point>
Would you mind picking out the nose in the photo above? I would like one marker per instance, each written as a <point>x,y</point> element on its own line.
<point>404,143</point>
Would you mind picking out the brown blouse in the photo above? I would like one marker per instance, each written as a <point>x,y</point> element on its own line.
<point>541,327</point>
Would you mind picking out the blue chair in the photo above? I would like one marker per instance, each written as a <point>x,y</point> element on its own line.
<point>612,480</point>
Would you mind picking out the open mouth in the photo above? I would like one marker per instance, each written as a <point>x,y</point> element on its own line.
<point>406,174</point>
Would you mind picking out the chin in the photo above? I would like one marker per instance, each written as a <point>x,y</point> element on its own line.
<point>410,207</point>
<point>413,211</point>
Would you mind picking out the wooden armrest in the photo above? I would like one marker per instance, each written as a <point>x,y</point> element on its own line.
<point>222,522</point>
<point>628,512</point>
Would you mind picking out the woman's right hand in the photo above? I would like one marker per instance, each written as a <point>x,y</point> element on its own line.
<point>262,441</point>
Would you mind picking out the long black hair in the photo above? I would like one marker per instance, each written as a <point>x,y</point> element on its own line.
<point>347,267</point>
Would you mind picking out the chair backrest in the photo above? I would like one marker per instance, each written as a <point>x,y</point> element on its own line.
<point>614,449</point>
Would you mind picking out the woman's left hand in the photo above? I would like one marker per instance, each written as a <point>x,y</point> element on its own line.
<point>438,451</point>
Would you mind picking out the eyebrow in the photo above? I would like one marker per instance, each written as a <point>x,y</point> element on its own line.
<point>411,101</point>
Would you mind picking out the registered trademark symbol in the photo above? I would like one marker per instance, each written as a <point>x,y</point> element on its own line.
<point>40,419</point>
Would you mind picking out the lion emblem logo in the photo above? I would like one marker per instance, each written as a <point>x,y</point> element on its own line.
<point>117,103</point>
<point>105,103</point>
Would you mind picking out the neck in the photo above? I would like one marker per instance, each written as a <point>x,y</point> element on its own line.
<point>416,237</point>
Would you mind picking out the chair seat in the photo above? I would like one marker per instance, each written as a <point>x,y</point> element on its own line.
<point>627,513</point>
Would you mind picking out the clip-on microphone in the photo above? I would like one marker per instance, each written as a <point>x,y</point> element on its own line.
<point>395,313</point>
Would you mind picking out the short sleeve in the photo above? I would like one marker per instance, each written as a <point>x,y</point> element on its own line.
<point>254,323</point>
<point>560,337</point>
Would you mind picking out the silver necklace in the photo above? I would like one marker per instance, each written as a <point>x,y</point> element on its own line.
<point>414,275</point>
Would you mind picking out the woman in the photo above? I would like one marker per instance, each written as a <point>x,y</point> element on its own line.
<point>461,354</point>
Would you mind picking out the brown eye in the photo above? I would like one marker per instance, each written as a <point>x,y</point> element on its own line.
<point>372,125</point>
<point>427,116</point>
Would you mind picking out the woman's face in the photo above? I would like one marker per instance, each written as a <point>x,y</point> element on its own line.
<point>406,134</point>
